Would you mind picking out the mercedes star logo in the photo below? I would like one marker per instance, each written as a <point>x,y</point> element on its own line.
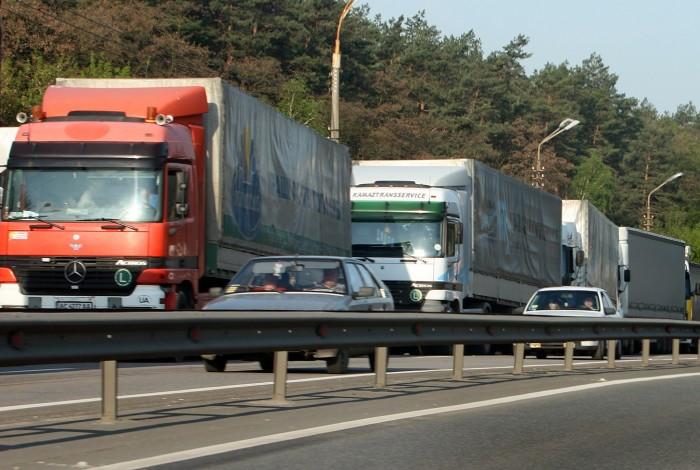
<point>75,272</point>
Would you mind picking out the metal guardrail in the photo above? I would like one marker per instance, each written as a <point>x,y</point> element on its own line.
<point>46,337</point>
<point>42,337</point>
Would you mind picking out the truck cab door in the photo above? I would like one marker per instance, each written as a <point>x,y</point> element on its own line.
<point>180,212</point>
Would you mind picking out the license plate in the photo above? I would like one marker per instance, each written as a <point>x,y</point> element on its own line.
<point>74,305</point>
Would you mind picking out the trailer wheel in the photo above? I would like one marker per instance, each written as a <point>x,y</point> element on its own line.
<point>541,354</point>
<point>218,364</point>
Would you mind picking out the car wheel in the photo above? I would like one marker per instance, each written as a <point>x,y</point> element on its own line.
<point>338,364</point>
<point>218,364</point>
<point>599,352</point>
<point>267,364</point>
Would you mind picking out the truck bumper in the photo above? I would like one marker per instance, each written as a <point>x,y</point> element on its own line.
<point>143,297</point>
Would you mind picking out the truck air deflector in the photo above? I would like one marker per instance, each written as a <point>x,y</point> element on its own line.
<point>391,210</point>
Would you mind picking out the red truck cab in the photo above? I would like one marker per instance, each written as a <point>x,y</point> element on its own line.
<point>103,201</point>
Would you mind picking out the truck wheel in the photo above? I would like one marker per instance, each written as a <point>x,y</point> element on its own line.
<point>338,364</point>
<point>218,364</point>
<point>541,354</point>
<point>183,301</point>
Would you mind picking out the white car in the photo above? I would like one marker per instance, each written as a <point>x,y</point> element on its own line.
<point>571,302</point>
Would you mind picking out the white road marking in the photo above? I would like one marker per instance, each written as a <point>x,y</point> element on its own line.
<point>288,436</point>
<point>31,371</point>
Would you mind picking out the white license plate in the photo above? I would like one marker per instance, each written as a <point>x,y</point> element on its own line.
<point>74,305</point>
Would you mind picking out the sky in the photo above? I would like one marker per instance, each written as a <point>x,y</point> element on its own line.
<point>650,45</point>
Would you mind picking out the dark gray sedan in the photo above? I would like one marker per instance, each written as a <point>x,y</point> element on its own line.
<point>302,283</point>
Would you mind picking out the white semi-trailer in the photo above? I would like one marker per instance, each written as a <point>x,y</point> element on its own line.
<point>596,250</point>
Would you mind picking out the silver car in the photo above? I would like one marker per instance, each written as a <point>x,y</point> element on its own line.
<point>302,283</point>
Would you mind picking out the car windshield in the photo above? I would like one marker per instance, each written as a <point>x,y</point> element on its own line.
<point>74,195</point>
<point>285,275</point>
<point>564,300</point>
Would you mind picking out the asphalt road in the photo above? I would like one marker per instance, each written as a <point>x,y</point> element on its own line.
<point>178,416</point>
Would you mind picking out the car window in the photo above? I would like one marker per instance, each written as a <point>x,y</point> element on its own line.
<point>367,278</point>
<point>354,278</point>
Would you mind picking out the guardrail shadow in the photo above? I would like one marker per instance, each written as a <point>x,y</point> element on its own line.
<point>173,414</point>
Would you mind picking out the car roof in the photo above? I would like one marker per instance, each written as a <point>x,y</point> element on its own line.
<point>571,288</point>
<point>306,257</point>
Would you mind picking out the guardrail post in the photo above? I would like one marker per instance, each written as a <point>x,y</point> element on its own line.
<point>569,356</point>
<point>612,344</point>
<point>675,351</point>
<point>518,358</point>
<point>646,346</point>
<point>457,361</point>
<point>380,364</point>
<point>109,390</point>
<point>280,376</point>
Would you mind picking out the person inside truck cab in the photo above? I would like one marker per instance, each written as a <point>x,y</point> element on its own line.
<point>554,304</point>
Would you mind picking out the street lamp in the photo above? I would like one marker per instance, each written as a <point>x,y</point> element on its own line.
<point>648,217</point>
<point>538,169</point>
<point>335,79</point>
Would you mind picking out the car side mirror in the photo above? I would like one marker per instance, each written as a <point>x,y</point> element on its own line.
<point>363,293</point>
<point>609,310</point>
<point>518,310</point>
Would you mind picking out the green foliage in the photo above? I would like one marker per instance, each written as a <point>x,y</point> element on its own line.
<point>594,180</point>
<point>299,104</point>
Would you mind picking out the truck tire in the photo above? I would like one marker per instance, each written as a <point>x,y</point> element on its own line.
<point>339,364</point>
<point>218,364</point>
<point>541,354</point>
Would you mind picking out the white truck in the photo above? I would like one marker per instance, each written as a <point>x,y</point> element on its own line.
<point>454,235</point>
<point>653,280</point>
<point>595,248</point>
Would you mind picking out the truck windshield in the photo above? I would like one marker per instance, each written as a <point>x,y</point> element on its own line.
<point>395,239</point>
<point>74,195</point>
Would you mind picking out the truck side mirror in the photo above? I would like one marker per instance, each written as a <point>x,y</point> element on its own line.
<point>626,275</point>
<point>580,255</point>
<point>697,289</point>
<point>518,310</point>
<point>609,310</point>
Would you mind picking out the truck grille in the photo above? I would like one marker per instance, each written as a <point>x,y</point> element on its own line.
<point>401,291</point>
<point>93,276</point>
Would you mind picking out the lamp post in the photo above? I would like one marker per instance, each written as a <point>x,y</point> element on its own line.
<point>538,169</point>
<point>648,217</point>
<point>335,79</point>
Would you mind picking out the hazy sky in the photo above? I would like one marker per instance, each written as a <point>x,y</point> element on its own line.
<point>651,45</point>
